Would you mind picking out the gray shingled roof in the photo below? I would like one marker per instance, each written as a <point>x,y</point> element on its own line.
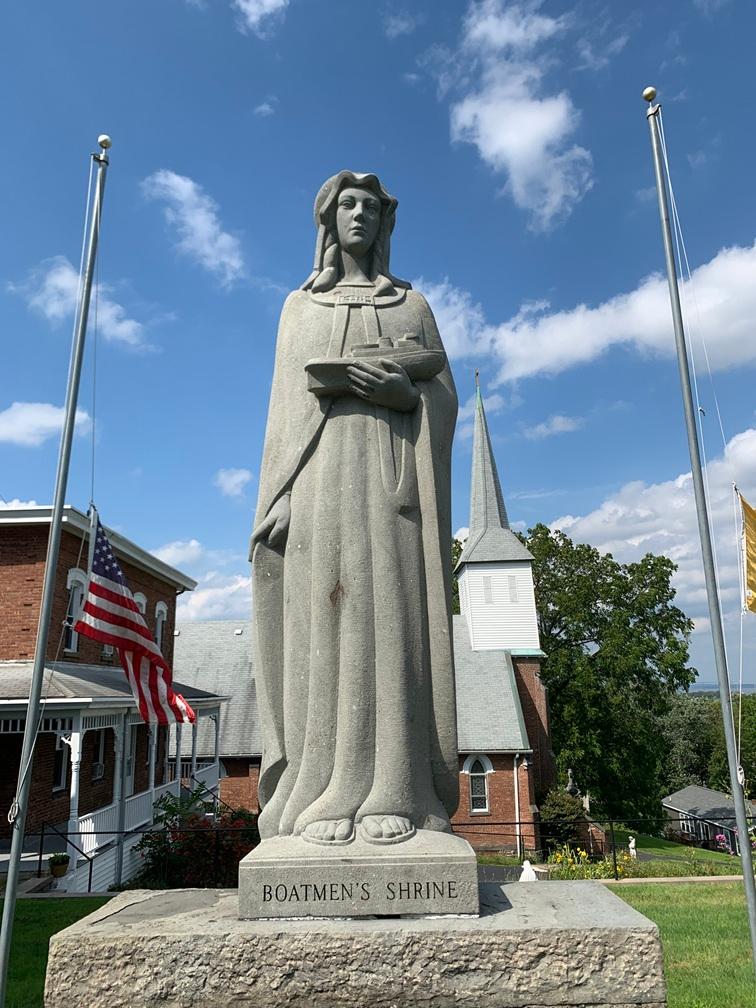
<point>72,681</point>
<point>489,715</point>
<point>706,804</point>
<point>212,655</point>
<point>490,538</point>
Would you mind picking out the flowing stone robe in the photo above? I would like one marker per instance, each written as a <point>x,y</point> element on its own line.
<point>352,617</point>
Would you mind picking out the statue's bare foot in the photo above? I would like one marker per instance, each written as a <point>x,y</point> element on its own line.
<point>386,829</point>
<point>329,831</point>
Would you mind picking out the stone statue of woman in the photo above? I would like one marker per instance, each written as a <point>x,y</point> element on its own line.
<point>351,546</point>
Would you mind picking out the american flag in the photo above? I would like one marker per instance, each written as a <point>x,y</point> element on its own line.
<point>110,615</point>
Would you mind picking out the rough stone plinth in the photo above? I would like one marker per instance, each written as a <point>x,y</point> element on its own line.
<point>535,945</point>
<point>431,873</point>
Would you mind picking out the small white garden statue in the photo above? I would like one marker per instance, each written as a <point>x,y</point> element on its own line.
<point>631,847</point>
<point>528,874</point>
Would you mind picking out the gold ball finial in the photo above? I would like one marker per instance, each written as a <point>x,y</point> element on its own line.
<point>649,94</point>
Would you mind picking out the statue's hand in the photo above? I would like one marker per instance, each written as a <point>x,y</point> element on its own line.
<point>388,385</point>
<point>275,525</point>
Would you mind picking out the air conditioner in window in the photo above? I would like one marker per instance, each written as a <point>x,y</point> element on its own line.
<point>98,771</point>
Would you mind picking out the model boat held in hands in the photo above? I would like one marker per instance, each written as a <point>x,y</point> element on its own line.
<point>329,377</point>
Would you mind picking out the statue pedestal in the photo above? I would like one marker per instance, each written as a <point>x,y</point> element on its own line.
<point>536,944</point>
<point>431,873</point>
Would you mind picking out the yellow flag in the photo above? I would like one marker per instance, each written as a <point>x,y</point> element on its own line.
<point>749,554</point>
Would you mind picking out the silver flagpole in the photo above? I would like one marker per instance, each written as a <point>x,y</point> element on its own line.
<point>17,816</point>
<point>704,528</point>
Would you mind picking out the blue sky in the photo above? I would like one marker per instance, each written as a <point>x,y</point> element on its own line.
<point>513,135</point>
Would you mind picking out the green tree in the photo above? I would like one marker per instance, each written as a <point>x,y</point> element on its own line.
<point>691,728</point>
<point>719,775</point>
<point>616,652</point>
<point>456,554</point>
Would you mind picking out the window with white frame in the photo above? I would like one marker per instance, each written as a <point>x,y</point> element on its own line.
<point>76,583</point>
<point>98,763</point>
<point>478,787</point>
<point>687,823</point>
<point>161,615</point>
<point>141,602</point>
<point>60,764</point>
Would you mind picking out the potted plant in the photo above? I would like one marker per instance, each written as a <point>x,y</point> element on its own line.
<point>58,864</point>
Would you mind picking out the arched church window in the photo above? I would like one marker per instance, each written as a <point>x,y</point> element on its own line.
<point>478,787</point>
<point>76,582</point>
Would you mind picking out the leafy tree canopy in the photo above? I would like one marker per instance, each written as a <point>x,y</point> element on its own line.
<point>616,652</point>
<point>456,554</point>
<point>745,726</point>
<point>690,729</point>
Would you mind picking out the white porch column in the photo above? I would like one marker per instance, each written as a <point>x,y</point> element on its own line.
<point>119,782</point>
<point>74,744</point>
<point>216,754</point>
<point>194,749</point>
<point>178,760</point>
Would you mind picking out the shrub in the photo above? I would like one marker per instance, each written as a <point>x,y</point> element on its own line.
<point>566,862</point>
<point>59,858</point>
<point>190,850</point>
<point>562,818</point>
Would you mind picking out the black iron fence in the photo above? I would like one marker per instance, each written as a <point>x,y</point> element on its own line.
<point>206,855</point>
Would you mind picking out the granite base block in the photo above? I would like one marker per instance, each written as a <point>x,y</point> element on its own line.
<point>431,873</point>
<point>535,945</point>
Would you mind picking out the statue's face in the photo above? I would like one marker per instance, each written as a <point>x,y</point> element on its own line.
<point>358,217</point>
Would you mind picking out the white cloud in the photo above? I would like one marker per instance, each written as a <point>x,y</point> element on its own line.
<point>266,108</point>
<point>720,305</point>
<point>556,424</point>
<point>661,518</point>
<point>31,424</point>
<point>16,503</point>
<point>232,482</point>
<point>52,290</point>
<point>709,7</point>
<point>599,56</point>
<point>461,322</point>
<point>400,23</point>
<point>259,16</point>
<point>506,111</point>
<point>181,552</point>
<point>193,215</point>
<point>217,597</point>
<point>462,533</point>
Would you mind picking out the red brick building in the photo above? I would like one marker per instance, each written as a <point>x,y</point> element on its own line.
<point>505,758</point>
<point>97,767</point>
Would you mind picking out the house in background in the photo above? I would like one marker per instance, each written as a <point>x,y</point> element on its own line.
<point>505,757</point>
<point>97,768</point>
<point>700,814</point>
<point>216,655</point>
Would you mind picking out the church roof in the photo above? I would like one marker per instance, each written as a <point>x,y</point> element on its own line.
<point>489,714</point>
<point>216,655</point>
<point>490,538</point>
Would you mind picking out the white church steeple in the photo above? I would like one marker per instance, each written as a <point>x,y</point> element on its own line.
<point>495,570</point>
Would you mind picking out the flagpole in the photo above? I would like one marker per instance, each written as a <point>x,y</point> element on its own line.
<point>17,815</point>
<point>704,528</point>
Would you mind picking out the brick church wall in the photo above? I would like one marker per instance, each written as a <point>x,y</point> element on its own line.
<point>239,787</point>
<point>535,711</point>
<point>495,829</point>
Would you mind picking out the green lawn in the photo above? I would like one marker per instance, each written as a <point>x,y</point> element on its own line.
<point>658,847</point>
<point>704,932</point>
<point>36,920</point>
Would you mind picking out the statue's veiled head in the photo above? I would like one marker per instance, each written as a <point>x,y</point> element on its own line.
<point>338,229</point>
